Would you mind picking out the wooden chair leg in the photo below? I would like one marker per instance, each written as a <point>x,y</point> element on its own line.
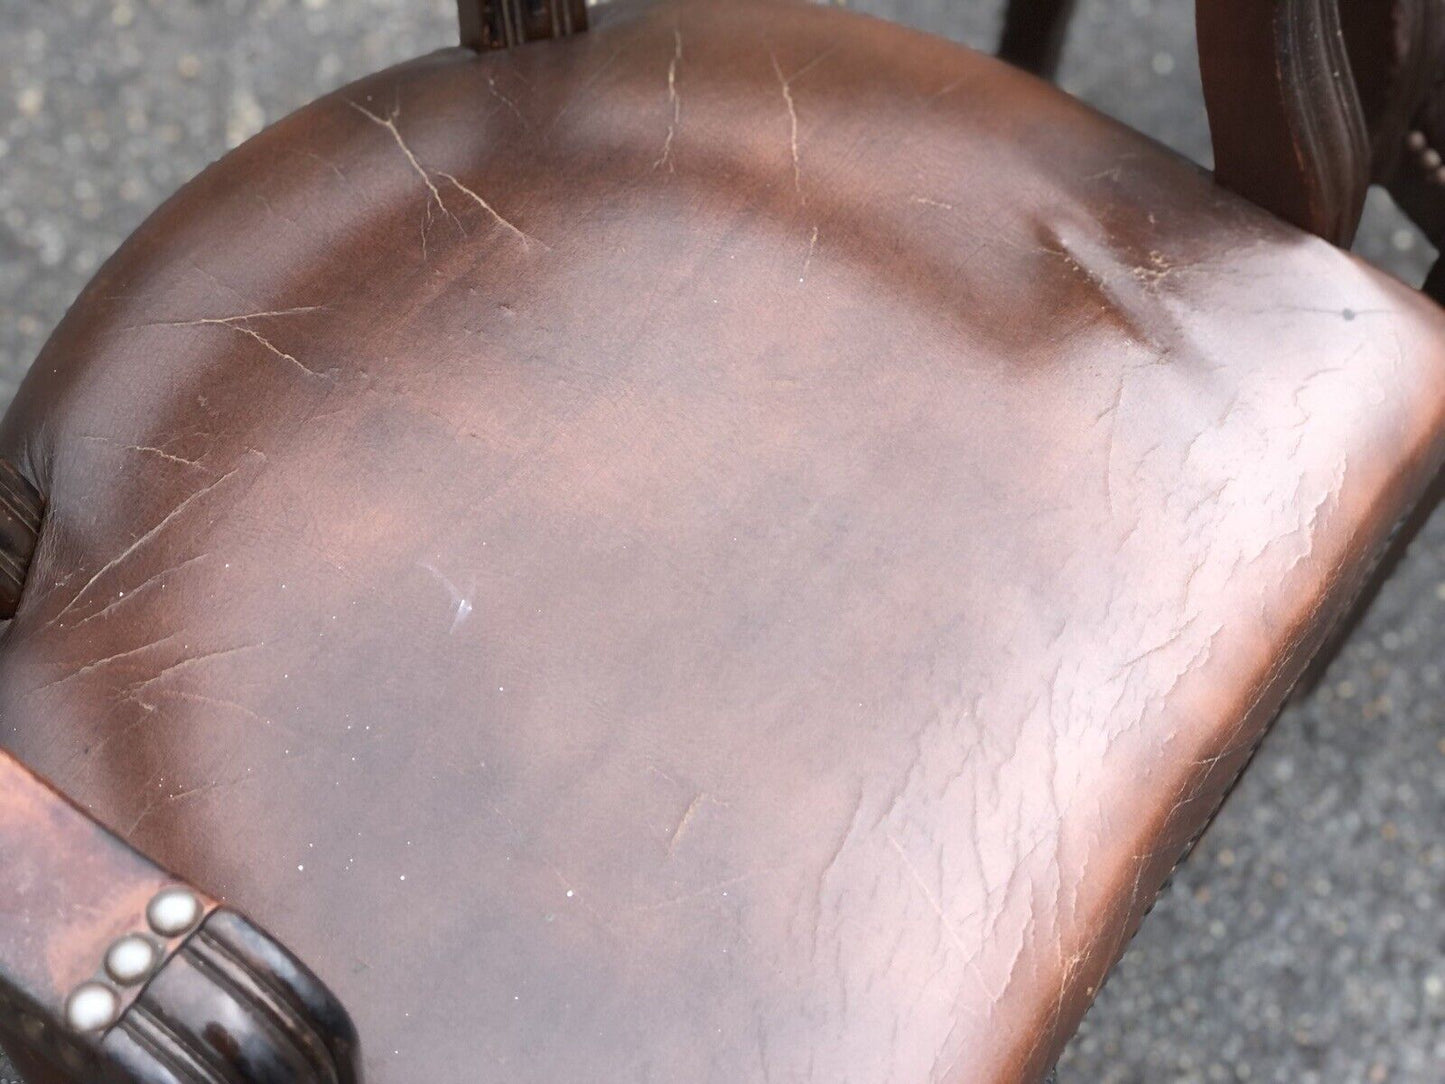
<point>1435,284</point>
<point>1033,34</point>
<point>502,24</point>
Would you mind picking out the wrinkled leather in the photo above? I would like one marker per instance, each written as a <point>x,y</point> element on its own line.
<point>739,546</point>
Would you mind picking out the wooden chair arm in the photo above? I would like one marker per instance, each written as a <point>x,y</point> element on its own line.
<point>1284,114</point>
<point>1310,101</point>
<point>114,971</point>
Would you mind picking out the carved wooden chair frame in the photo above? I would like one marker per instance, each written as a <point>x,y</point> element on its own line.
<point>117,971</point>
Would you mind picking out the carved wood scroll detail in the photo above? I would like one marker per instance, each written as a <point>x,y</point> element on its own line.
<point>113,971</point>
<point>21,509</point>
<point>1284,113</point>
<point>504,24</point>
<point>233,1007</point>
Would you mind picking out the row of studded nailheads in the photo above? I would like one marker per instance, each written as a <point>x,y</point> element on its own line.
<point>94,1006</point>
<point>1428,157</point>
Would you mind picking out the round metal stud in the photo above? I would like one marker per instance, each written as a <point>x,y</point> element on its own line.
<point>1439,176</point>
<point>92,1007</point>
<point>1417,141</point>
<point>131,960</point>
<point>174,912</point>
<point>1430,159</point>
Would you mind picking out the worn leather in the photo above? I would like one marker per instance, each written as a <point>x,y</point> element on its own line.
<point>740,546</point>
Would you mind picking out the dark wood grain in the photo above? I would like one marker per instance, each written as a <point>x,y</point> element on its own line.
<point>223,1003</point>
<point>1284,114</point>
<point>1033,34</point>
<point>503,24</point>
<point>1403,79</point>
<point>233,1007</point>
<point>1435,284</point>
<point>72,889</point>
<point>1390,49</point>
<point>21,512</point>
<point>1292,128</point>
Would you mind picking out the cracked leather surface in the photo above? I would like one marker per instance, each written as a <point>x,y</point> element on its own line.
<point>736,547</point>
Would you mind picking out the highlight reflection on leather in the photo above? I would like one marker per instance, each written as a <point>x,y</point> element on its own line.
<point>737,546</point>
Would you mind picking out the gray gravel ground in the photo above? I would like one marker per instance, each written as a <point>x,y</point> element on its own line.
<point>1305,940</point>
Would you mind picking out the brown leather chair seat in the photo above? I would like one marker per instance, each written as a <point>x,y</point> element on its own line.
<point>739,546</point>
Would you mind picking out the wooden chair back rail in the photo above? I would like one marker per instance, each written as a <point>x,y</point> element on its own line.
<point>1284,112</point>
<point>1285,116</point>
<point>1296,129</point>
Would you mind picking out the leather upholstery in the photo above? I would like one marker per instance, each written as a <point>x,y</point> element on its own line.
<point>739,546</point>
